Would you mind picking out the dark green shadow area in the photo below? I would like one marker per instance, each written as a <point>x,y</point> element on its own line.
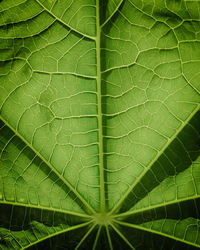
<point>142,240</point>
<point>20,226</point>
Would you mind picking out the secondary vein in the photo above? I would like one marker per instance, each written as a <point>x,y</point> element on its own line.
<point>123,198</point>
<point>71,188</point>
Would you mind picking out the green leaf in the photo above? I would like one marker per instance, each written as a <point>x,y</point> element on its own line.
<point>99,124</point>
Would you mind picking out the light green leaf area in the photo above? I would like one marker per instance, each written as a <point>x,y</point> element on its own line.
<point>99,124</point>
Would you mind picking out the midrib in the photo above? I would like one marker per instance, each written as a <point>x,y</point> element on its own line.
<point>100,124</point>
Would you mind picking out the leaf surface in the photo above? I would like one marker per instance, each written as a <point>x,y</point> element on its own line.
<point>99,133</point>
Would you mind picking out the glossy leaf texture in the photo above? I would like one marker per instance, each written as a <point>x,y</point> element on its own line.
<point>99,131</point>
